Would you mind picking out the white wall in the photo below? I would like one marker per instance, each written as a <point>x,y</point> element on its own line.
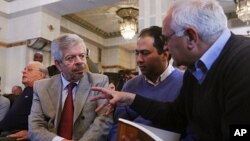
<point>4,6</point>
<point>13,63</point>
<point>110,56</point>
<point>3,28</point>
<point>49,18</point>
<point>116,56</point>
<point>93,52</point>
<point>25,27</point>
<point>126,59</point>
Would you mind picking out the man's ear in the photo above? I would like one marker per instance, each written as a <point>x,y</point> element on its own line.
<point>166,55</point>
<point>43,75</point>
<point>57,63</point>
<point>192,37</point>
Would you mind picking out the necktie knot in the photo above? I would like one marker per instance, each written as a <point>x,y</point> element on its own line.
<point>71,86</point>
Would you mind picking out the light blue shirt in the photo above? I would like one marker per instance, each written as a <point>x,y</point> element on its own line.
<point>203,65</point>
<point>65,90</point>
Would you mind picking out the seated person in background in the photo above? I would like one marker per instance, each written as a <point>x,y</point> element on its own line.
<point>15,92</point>
<point>159,80</point>
<point>61,108</point>
<point>4,106</point>
<point>112,85</point>
<point>15,123</point>
<point>124,75</point>
<point>38,56</point>
<point>52,70</point>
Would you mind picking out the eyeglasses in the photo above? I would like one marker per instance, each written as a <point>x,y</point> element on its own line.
<point>30,69</point>
<point>167,38</point>
<point>178,33</point>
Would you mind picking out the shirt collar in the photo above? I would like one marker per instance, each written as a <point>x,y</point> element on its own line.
<point>66,82</point>
<point>209,57</point>
<point>163,76</point>
<point>201,66</point>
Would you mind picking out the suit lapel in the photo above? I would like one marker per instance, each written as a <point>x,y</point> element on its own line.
<point>55,93</point>
<point>81,95</point>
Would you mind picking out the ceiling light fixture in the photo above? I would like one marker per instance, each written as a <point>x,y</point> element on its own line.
<point>243,10</point>
<point>128,24</point>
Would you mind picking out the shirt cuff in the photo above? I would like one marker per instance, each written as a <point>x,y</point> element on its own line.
<point>57,138</point>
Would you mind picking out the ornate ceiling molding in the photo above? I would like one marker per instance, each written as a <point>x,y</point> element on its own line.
<point>81,22</point>
<point>84,38</point>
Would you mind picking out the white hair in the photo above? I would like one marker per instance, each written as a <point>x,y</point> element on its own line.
<point>42,67</point>
<point>206,16</point>
<point>65,41</point>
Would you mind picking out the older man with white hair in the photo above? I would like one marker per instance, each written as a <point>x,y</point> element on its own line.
<point>15,124</point>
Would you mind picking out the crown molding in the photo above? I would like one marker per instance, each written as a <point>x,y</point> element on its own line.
<point>84,38</point>
<point>14,44</point>
<point>81,22</point>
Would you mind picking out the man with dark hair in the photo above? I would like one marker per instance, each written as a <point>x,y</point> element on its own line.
<point>124,76</point>
<point>157,78</point>
<point>215,95</point>
<point>38,56</point>
<point>15,92</point>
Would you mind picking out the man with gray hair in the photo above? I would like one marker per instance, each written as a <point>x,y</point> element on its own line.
<point>61,108</point>
<point>215,95</point>
<point>4,104</point>
<point>15,124</point>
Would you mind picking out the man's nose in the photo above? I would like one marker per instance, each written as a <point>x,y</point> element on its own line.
<point>24,71</point>
<point>139,58</point>
<point>79,60</point>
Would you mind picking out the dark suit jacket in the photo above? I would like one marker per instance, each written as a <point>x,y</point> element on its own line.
<point>46,110</point>
<point>17,116</point>
<point>222,100</point>
<point>11,97</point>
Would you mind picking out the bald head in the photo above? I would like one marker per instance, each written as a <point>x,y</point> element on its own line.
<point>38,56</point>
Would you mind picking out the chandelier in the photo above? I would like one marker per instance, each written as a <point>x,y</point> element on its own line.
<point>243,10</point>
<point>128,24</point>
